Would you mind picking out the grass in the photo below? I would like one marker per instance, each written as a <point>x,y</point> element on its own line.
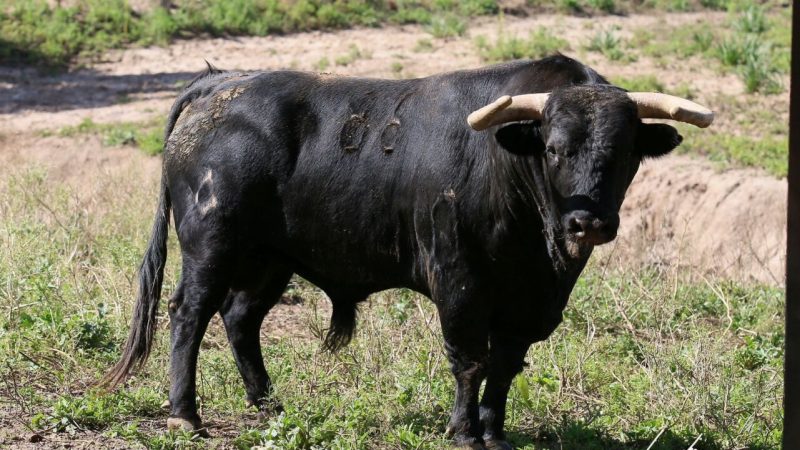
<point>754,44</point>
<point>34,32</point>
<point>147,136</point>
<point>447,26</point>
<point>769,153</point>
<point>541,42</point>
<point>639,351</point>
<point>643,83</point>
<point>353,54</point>
<point>609,44</point>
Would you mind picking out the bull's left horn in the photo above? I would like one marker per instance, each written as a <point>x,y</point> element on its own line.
<point>653,105</point>
<point>508,109</point>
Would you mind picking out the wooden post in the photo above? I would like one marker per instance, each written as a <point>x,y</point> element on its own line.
<point>791,389</point>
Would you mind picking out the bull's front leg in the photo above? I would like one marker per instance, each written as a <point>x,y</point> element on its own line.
<point>506,360</point>
<point>466,344</point>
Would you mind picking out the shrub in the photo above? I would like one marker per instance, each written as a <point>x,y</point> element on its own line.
<point>539,43</point>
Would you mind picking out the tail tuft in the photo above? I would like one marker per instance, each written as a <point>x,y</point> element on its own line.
<point>343,325</point>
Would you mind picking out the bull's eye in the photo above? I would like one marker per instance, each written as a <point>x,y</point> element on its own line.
<point>550,149</point>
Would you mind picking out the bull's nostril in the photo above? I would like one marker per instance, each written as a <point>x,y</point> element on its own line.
<point>573,226</point>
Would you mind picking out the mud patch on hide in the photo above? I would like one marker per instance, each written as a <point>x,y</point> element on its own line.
<point>197,119</point>
<point>353,132</point>
<point>389,136</point>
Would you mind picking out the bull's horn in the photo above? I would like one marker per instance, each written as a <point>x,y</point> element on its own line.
<point>653,105</point>
<point>508,109</point>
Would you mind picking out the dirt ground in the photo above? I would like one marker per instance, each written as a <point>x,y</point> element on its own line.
<point>679,210</point>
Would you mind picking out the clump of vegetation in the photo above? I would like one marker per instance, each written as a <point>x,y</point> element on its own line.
<point>752,60</point>
<point>424,45</point>
<point>353,53</point>
<point>445,26</point>
<point>541,42</point>
<point>147,136</point>
<point>33,31</point>
<point>609,44</point>
<point>644,83</point>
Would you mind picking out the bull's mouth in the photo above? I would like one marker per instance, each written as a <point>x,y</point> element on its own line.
<point>582,232</point>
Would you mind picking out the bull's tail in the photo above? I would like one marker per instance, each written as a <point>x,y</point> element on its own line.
<point>343,324</point>
<point>151,276</point>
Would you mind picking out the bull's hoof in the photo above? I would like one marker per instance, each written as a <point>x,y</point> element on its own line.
<point>181,424</point>
<point>166,405</point>
<point>496,444</point>
<point>266,408</point>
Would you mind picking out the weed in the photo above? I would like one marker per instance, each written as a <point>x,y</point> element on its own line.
<point>607,6</point>
<point>147,136</point>
<point>607,43</point>
<point>752,20</point>
<point>396,67</point>
<point>644,83</point>
<point>322,64</point>
<point>541,42</point>
<point>424,45</point>
<point>448,25</point>
<point>353,54</point>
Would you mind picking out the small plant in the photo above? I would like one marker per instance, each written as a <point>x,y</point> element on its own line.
<point>607,43</point>
<point>322,64</point>
<point>397,67</point>
<point>569,6</point>
<point>752,20</point>
<point>608,6</point>
<point>539,43</point>
<point>759,76</point>
<point>353,54</point>
<point>645,83</point>
<point>448,25</point>
<point>424,45</point>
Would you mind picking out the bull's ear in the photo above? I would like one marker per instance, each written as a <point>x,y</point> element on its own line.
<point>521,138</point>
<point>656,139</point>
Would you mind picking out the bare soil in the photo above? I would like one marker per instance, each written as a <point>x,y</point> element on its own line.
<point>680,210</point>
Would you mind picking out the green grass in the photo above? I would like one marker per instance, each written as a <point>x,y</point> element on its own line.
<point>754,43</point>
<point>353,54</point>
<point>541,42</point>
<point>446,26</point>
<point>147,136</point>
<point>31,31</point>
<point>639,351</point>
<point>609,44</point>
<point>769,152</point>
<point>643,83</point>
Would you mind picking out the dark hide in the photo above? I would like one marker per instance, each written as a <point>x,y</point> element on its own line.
<point>361,185</point>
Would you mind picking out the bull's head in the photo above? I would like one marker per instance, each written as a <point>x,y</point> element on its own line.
<point>586,143</point>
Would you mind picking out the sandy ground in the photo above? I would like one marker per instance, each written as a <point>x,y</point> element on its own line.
<point>680,211</point>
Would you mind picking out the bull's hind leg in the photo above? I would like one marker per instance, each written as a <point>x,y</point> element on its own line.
<point>205,282</point>
<point>243,314</point>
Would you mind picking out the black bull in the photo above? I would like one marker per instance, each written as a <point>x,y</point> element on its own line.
<point>361,185</point>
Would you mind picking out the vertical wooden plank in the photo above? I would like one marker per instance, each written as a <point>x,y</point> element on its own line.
<point>791,401</point>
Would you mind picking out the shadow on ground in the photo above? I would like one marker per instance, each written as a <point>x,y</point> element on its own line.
<point>26,89</point>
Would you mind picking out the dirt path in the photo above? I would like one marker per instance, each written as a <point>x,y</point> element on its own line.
<point>679,211</point>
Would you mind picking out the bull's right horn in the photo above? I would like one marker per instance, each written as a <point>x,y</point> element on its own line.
<point>508,109</point>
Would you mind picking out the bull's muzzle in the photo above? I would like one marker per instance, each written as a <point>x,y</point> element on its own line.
<point>586,228</point>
